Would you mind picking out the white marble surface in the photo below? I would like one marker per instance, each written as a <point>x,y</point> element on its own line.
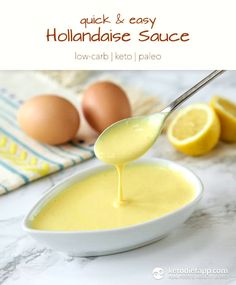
<point>206,240</point>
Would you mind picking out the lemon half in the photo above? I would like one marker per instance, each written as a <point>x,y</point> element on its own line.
<point>226,111</point>
<point>195,130</point>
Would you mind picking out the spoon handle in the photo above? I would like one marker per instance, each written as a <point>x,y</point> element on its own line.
<point>173,105</point>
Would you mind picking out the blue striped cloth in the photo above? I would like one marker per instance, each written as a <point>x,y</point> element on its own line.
<point>22,159</point>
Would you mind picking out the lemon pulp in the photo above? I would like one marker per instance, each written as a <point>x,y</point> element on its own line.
<point>190,124</point>
<point>195,130</point>
<point>226,111</point>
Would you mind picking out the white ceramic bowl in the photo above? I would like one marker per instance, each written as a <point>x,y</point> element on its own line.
<point>102,242</point>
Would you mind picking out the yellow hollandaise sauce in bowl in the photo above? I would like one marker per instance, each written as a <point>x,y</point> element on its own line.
<point>80,216</point>
<point>150,191</point>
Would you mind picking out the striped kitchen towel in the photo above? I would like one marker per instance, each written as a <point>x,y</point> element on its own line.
<point>22,159</point>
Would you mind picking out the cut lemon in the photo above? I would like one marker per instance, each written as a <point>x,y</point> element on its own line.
<point>195,130</point>
<point>226,111</point>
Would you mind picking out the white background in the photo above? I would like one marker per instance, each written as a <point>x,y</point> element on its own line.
<point>211,24</point>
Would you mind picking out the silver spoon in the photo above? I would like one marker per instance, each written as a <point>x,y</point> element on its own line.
<point>118,143</point>
<point>173,105</point>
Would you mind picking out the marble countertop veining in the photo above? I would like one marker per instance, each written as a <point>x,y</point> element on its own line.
<point>206,240</point>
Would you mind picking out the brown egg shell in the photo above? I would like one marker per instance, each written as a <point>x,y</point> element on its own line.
<point>49,119</point>
<point>105,103</point>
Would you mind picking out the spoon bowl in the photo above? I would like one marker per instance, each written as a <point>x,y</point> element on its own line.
<point>116,144</point>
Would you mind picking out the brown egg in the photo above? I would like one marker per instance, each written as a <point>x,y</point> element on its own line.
<point>49,119</point>
<point>105,103</point>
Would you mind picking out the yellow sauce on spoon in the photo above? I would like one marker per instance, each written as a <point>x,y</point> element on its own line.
<point>127,140</point>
